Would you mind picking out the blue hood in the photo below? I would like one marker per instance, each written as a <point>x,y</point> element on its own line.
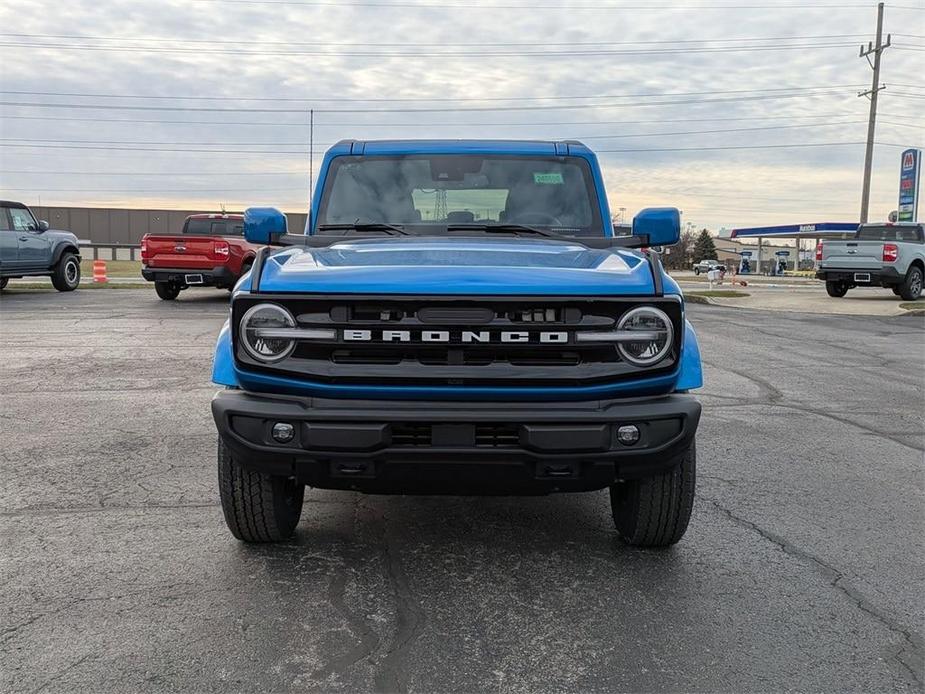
<point>435,265</point>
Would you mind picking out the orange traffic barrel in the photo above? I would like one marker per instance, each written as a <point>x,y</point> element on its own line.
<point>99,271</point>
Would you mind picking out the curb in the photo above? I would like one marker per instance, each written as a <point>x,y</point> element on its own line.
<point>710,301</point>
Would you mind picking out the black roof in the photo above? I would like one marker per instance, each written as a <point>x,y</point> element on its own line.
<point>8,203</point>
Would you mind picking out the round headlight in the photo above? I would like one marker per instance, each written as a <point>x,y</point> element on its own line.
<point>655,345</point>
<point>255,326</point>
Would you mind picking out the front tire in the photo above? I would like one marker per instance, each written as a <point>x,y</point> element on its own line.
<point>911,288</point>
<point>696,270</point>
<point>3,282</point>
<point>66,276</point>
<point>655,511</point>
<point>168,291</point>
<point>836,289</point>
<point>257,507</point>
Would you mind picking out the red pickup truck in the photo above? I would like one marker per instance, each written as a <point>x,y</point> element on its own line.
<point>210,252</point>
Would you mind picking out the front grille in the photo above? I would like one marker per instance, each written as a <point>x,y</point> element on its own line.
<point>488,435</point>
<point>497,435</point>
<point>457,356</point>
<point>457,341</point>
<point>411,435</point>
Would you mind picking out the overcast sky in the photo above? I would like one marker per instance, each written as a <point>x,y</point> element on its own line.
<point>625,76</point>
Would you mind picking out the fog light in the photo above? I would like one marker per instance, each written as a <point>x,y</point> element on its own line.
<point>283,432</point>
<point>628,434</point>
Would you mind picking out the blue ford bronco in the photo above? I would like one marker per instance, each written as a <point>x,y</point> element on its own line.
<point>458,317</point>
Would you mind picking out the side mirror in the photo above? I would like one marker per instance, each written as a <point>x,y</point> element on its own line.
<point>43,225</point>
<point>264,225</point>
<point>660,225</point>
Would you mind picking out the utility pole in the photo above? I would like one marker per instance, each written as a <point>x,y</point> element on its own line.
<point>311,168</point>
<point>876,87</point>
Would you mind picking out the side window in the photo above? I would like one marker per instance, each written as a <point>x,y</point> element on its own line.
<point>5,219</point>
<point>22,219</point>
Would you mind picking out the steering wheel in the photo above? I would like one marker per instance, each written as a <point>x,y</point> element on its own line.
<point>536,218</point>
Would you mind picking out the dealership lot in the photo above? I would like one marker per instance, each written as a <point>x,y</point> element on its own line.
<point>803,567</point>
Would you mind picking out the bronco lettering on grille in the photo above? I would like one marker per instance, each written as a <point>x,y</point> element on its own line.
<point>461,336</point>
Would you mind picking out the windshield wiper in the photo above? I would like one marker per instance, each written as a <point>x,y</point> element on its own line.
<point>506,229</point>
<point>390,229</point>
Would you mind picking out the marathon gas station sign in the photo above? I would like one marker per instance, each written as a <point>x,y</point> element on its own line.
<point>909,173</point>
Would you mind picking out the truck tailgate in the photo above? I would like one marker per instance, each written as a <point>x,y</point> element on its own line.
<point>193,252</point>
<point>852,254</point>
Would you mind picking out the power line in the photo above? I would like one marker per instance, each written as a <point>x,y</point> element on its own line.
<point>730,147</point>
<point>595,7</point>
<point>470,109</point>
<point>428,99</point>
<point>466,44</point>
<point>423,54</point>
<point>328,144</point>
<point>305,153</point>
<point>445,124</point>
<point>719,131</point>
<point>157,190</point>
<point>153,173</point>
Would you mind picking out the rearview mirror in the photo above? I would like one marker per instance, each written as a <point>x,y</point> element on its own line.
<point>43,225</point>
<point>660,225</point>
<point>264,225</point>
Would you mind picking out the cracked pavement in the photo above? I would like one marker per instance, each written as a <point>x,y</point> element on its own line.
<point>803,568</point>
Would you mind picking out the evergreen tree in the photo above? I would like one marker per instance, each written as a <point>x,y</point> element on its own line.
<point>704,248</point>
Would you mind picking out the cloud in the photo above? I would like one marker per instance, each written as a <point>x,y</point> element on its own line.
<point>233,49</point>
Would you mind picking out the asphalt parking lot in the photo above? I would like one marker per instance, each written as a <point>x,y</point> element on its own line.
<point>803,568</point>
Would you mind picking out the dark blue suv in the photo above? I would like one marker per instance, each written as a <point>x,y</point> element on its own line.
<point>29,248</point>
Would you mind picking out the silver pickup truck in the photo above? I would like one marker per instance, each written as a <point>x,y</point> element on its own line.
<point>880,255</point>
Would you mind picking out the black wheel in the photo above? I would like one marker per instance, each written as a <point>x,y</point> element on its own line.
<point>655,511</point>
<point>66,275</point>
<point>911,288</point>
<point>168,291</point>
<point>836,289</point>
<point>257,507</point>
<point>696,270</point>
<point>3,282</point>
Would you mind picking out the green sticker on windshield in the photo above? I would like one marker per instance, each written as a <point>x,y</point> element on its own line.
<point>548,179</point>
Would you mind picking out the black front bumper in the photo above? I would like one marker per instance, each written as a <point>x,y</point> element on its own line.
<point>454,447</point>
<point>218,276</point>
<point>873,277</point>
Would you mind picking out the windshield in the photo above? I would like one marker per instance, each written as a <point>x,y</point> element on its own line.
<point>428,193</point>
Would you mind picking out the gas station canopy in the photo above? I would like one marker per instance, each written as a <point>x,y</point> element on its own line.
<point>798,231</point>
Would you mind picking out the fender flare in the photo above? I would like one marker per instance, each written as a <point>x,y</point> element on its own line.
<point>691,375</point>
<point>223,373</point>
<point>61,249</point>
